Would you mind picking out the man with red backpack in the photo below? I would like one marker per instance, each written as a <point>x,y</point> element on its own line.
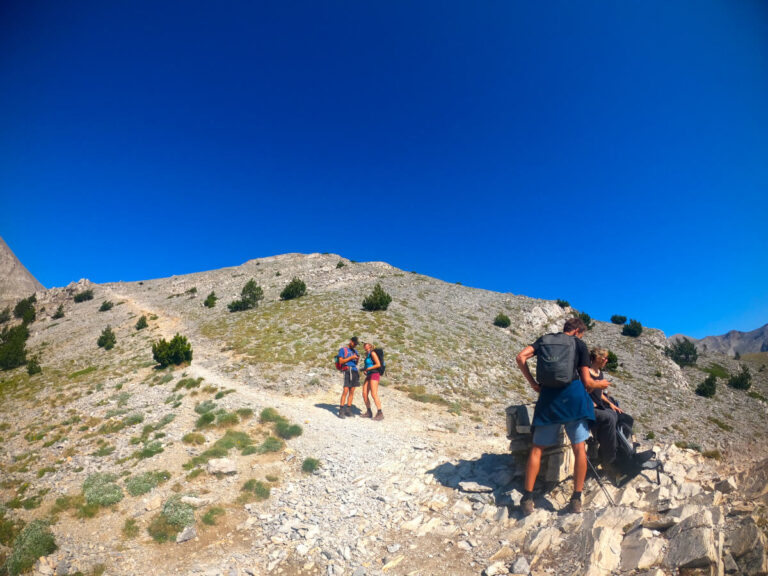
<point>346,361</point>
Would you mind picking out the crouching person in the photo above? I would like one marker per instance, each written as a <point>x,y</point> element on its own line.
<point>562,379</point>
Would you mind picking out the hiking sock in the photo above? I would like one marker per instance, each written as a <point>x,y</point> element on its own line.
<point>576,496</point>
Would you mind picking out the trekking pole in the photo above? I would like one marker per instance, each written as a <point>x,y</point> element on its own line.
<point>600,482</point>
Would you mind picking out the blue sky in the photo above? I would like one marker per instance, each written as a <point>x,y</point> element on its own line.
<point>611,154</point>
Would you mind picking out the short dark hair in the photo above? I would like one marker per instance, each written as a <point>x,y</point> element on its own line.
<point>353,340</point>
<point>574,324</point>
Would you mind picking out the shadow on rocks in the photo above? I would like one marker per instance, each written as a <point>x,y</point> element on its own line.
<point>334,408</point>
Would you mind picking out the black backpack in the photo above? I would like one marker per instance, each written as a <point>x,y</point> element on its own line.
<point>628,460</point>
<point>380,355</point>
<point>556,361</point>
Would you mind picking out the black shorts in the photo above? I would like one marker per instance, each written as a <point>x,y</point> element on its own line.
<point>351,378</point>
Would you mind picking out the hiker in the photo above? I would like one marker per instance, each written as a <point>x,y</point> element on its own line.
<point>348,358</point>
<point>563,379</point>
<point>607,413</point>
<point>372,369</point>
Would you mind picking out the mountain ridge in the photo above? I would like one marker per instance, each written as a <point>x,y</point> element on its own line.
<point>15,280</point>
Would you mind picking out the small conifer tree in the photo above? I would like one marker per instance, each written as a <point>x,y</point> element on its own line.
<point>142,323</point>
<point>107,340</point>
<point>616,319</point>
<point>377,300</point>
<point>634,329</point>
<point>708,387</point>
<point>59,312</point>
<point>177,351</point>
<point>563,303</point>
<point>106,306</point>
<point>210,300</point>
<point>742,380</point>
<point>83,296</point>
<point>502,320</point>
<point>683,352</point>
<point>13,347</point>
<point>250,296</point>
<point>33,366</point>
<point>587,319</point>
<point>295,289</point>
<point>5,314</point>
<point>613,362</point>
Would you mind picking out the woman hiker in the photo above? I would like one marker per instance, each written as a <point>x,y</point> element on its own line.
<point>372,369</point>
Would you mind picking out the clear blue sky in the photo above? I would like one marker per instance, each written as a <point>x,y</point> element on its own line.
<point>614,154</point>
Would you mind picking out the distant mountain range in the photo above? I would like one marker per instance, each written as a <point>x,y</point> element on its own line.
<point>732,342</point>
<point>15,280</point>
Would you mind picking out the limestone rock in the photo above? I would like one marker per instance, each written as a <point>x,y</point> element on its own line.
<point>692,542</point>
<point>749,548</point>
<point>474,487</point>
<point>606,552</point>
<point>495,569</point>
<point>640,550</point>
<point>187,534</point>
<point>222,466</point>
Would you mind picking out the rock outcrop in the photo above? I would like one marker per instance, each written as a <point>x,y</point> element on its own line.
<point>15,280</point>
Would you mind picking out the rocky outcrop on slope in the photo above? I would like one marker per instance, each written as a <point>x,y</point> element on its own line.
<point>15,280</point>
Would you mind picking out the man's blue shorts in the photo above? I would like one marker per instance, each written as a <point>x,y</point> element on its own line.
<point>547,435</point>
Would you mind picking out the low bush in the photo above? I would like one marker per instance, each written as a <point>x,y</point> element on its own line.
<point>59,312</point>
<point>244,413</point>
<point>502,320</point>
<point>613,362</point>
<point>193,438</point>
<point>83,296</point>
<point>377,300</point>
<point>742,380</point>
<point>270,444</point>
<point>142,323</point>
<point>175,516</point>
<point>286,430</point>
<point>13,347</point>
<point>683,352</point>
<point>257,489</point>
<point>250,296</point>
<point>225,419</point>
<point>33,366</point>
<point>130,528</point>
<point>587,319</point>
<point>633,329</point>
<point>563,303</point>
<point>34,541</point>
<point>101,489</point>
<point>106,306</point>
<point>107,340</point>
<point>209,517</point>
<point>145,482</point>
<point>210,300</point>
<point>295,289</point>
<point>188,383</point>
<point>708,387</point>
<point>205,420</point>
<point>616,319</point>
<point>340,264</point>
<point>150,449</point>
<point>25,309</point>
<point>177,351</point>
<point>270,415</point>
<point>205,406</point>
<point>310,465</point>
<point>5,315</point>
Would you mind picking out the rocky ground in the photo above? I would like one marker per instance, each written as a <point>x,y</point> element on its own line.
<point>431,489</point>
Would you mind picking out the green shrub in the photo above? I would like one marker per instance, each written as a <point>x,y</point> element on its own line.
<point>287,430</point>
<point>683,352</point>
<point>205,406</point>
<point>256,488</point>
<point>130,528</point>
<point>209,517</point>
<point>340,264</point>
<point>502,320</point>
<point>563,303</point>
<point>708,387</point>
<point>244,412</point>
<point>377,300</point>
<point>295,289</point>
<point>205,420</point>
<point>616,319</point>
<point>270,444</point>
<point>210,300</point>
<point>633,329</point>
<point>742,380</point>
<point>13,347</point>
<point>149,450</point>
<point>587,319</point>
<point>188,383</point>
<point>175,516</point>
<point>100,489</point>
<point>9,528</point>
<point>143,483</point>
<point>193,438</point>
<point>717,371</point>
<point>270,415</point>
<point>177,351</point>
<point>249,297</point>
<point>25,309</point>
<point>613,362</point>
<point>225,419</point>
<point>33,366</point>
<point>59,312</point>
<point>107,340</point>
<point>310,465</point>
<point>84,296</point>
<point>142,323</point>
<point>106,306</point>
<point>5,315</point>
<point>34,541</point>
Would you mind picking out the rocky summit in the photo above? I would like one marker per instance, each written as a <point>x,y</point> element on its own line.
<point>236,463</point>
<point>15,280</point>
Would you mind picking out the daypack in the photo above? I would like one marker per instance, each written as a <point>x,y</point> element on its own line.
<point>628,460</point>
<point>380,354</point>
<point>556,361</point>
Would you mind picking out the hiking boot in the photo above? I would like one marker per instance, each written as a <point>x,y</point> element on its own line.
<point>526,505</point>
<point>379,415</point>
<point>368,414</point>
<point>341,412</point>
<point>574,506</point>
<point>348,411</point>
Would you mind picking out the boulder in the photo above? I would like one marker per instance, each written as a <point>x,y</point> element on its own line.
<point>222,466</point>
<point>749,548</point>
<point>521,566</point>
<point>692,542</point>
<point>727,485</point>
<point>187,534</point>
<point>495,569</point>
<point>474,487</point>
<point>640,550</point>
<point>606,552</point>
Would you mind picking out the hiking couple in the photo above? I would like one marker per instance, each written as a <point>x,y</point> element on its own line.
<point>373,367</point>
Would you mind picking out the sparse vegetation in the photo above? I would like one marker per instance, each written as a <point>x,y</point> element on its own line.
<point>256,489</point>
<point>5,314</point>
<point>209,517</point>
<point>194,438</point>
<point>616,319</point>
<point>340,264</point>
<point>283,428</point>
<point>742,380</point>
<point>250,296</point>
<point>106,306</point>
<point>377,300</point>
<point>59,312</point>
<point>150,449</point>
<point>717,371</point>
<point>613,362</point>
<point>719,423</point>
<point>708,387</point>
<point>563,303</point>
<point>683,352</point>
<point>633,329</point>
<point>142,323</point>
<point>34,541</point>
<point>143,483</point>
<point>130,528</point>
<point>222,446</point>
<point>33,366</point>
<point>84,296</point>
<point>177,351</point>
<point>107,340</point>
<point>502,320</point>
<point>210,300</point>
<point>310,465</point>
<point>270,444</point>
<point>296,288</point>
<point>175,516</point>
<point>587,319</point>
<point>101,489</point>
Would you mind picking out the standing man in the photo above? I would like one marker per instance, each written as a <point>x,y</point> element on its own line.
<point>348,358</point>
<point>563,382</point>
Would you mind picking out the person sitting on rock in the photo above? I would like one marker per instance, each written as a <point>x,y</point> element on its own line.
<point>563,379</point>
